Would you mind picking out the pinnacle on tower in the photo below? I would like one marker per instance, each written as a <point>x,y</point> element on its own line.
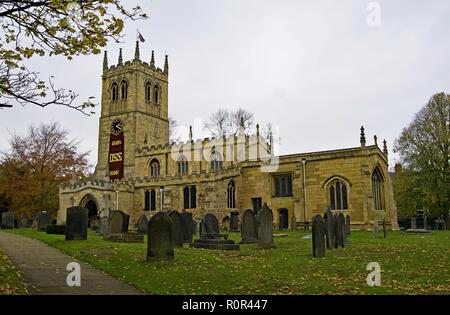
<point>362,138</point>
<point>375,139</point>
<point>105,61</point>
<point>166,65</point>
<point>385,149</point>
<point>120,62</point>
<point>137,53</point>
<point>190,133</point>
<point>152,61</point>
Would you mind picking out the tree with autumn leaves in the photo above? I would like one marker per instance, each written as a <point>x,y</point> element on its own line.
<point>424,147</point>
<point>34,167</point>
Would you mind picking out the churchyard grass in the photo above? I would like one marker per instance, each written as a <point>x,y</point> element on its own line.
<point>11,282</point>
<point>410,264</point>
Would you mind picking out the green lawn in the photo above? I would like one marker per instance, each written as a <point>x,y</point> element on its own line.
<point>410,265</point>
<point>10,280</point>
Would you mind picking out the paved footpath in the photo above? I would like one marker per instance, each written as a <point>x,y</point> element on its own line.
<point>44,269</point>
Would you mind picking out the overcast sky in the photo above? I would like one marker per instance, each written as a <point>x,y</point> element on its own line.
<point>316,69</point>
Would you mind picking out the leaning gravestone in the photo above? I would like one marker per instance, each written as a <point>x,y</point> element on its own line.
<point>338,231</point>
<point>142,225</point>
<point>76,224</point>
<point>177,231</point>
<point>330,229</point>
<point>187,226</point>
<point>160,246</point>
<point>318,236</point>
<point>347,224</point>
<point>7,221</point>
<point>43,219</point>
<point>249,228</point>
<point>265,230</point>
<point>293,223</point>
<point>234,221</point>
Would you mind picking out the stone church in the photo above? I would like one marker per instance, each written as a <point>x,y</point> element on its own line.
<point>140,172</point>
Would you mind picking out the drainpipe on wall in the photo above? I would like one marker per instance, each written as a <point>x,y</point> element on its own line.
<point>117,198</point>
<point>304,191</point>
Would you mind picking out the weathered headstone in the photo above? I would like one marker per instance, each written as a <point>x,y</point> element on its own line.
<point>234,221</point>
<point>160,245</point>
<point>265,228</point>
<point>318,236</point>
<point>293,223</point>
<point>104,226</point>
<point>43,219</point>
<point>118,222</point>
<point>384,228</point>
<point>341,218</point>
<point>187,226</point>
<point>76,223</point>
<point>7,221</point>
<point>249,228</point>
<point>413,223</point>
<point>142,225</point>
<point>177,230</point>
<point>330,229</point>
<point>339,230</point>
<point>211,224</point>
<point>24,223</point>
<point>347,224</point>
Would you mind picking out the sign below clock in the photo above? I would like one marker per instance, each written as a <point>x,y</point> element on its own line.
<point>116,151</point>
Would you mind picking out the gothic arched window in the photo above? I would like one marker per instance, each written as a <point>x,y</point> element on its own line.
<point>114,92</point>
<point>148,90</point>
<point>216,161</point>
<point>182,164</point>
<point>231,195</point>
<point>338,195</point>
<point>156,94</point>
<point>377,189</point>
<point>124,89</point>
<point>154,168</point>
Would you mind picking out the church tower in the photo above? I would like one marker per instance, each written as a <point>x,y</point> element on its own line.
<point>134,113</point>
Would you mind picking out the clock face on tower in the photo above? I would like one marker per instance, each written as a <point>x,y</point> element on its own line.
<point>116,127</point>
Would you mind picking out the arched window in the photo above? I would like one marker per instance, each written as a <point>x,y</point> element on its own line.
<point>216,161</point>
<point>190,197</point>
<point>377,189</point>
<point>156,94</point>
<point>114,92</point>
<point>231,194</point>
<point>182,165</point>
<point>124,89</point>
<point>338,195</point>
<point>154,168</point>
<point>148,90</point>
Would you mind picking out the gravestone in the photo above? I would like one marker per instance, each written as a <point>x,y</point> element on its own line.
<point>211,224</point>
<point>177,231</point>
<point>384,228</point>
<point>338,231</point>
<point>103,229</point>
<point>210,237</point>
<point>318,236</point>
<point>76,223</point>
<point>234,221</point>
<point>293,223</point>
<point>142,225</point>
<point>42,220</point>
<point>347,224</point>
<point>94,223</point>
<point>187,226</point>
<point>160,245</point>
<point>7,221</point>
<point>341,219</point>
<point>329,229</point>
<point>425,222</point>
<point>118,222</point>
<point>413,223</point>
<point>249,228</point>
<point>24,223</point>
<point>265,228</point>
